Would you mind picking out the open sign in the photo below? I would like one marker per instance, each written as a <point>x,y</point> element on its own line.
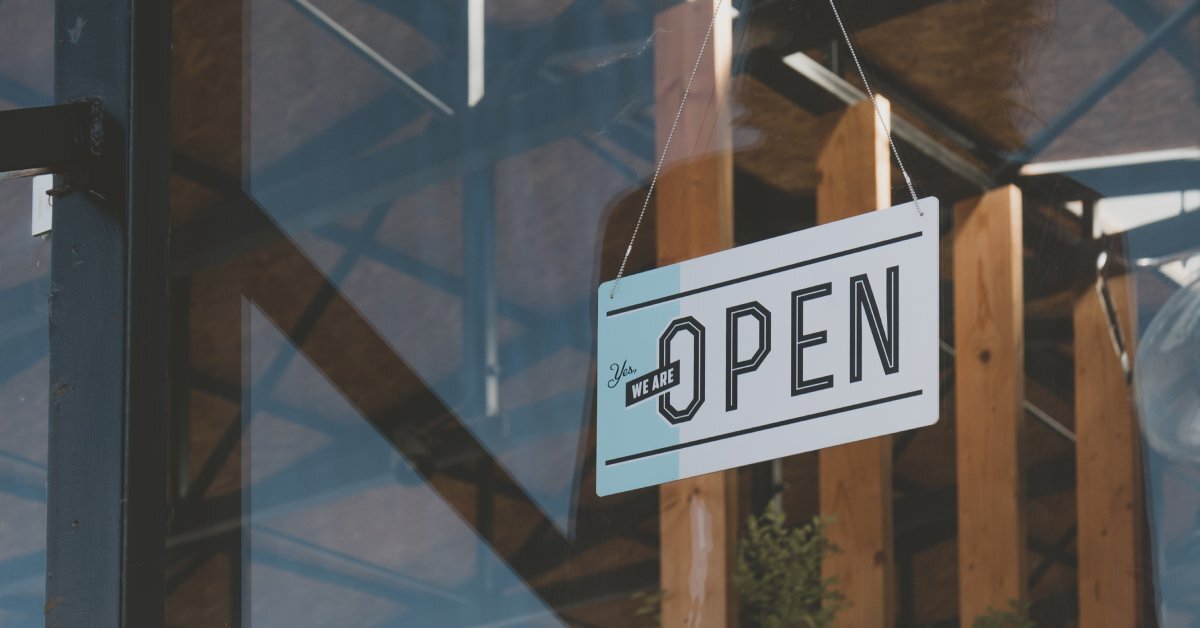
<point>808,340</point>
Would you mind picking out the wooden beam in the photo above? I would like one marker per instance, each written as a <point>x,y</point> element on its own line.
<point>694,201</point>
<point>989,371</point>
<point>698,526</point>
<point>695,192</point>
<point>854,177</point>
<point>1108,465</point>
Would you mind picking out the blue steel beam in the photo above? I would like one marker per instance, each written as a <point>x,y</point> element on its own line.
<point>1105,84</point>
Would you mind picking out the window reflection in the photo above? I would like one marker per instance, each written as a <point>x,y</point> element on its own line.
<point>24,408</point>
<point>26,80</point>
<point>333,508</point>
<point>384,269</point>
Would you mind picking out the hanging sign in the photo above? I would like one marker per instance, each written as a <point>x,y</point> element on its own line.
<point>809,340</point>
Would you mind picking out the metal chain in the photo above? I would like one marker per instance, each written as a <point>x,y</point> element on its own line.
<point>871,94</point>
<point>679,113</point>
<point>666,148</point>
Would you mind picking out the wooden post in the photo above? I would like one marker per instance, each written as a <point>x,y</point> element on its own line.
<point>854,177</point>
<point>989,371</point>
<point>1108,466</point>
<point>694,200</point>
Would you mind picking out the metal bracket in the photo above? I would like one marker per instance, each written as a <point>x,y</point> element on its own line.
<point>59,138</point>
<point>1114,320</point>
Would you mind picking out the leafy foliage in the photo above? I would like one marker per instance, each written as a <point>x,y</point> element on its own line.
<point>1017,616</point>
<point>779,573</point>
<point>649,606</point>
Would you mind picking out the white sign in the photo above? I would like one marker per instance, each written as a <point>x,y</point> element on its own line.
<point>797,343</point>
<point>43,204</point>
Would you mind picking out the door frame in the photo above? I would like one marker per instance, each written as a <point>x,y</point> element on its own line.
<point>106,487</point>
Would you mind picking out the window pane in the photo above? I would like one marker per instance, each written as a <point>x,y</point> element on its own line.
<point>26,80</point>
<point>390,220</point>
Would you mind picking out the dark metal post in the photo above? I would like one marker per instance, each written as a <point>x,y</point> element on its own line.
<point>108,323</point>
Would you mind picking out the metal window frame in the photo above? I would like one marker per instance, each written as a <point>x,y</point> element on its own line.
<point>109,322</point>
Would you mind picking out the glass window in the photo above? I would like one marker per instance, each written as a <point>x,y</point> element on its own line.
<point>26,80</point>
<point>390,219</point>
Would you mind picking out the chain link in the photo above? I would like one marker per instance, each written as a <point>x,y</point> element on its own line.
<point>874,103</point>
<point>679,113</point>
<point>666,148</point>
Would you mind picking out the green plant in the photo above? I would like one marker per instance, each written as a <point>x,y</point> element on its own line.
<point>778,574</point>
<point>1017,616</point>
<point>649,606</point>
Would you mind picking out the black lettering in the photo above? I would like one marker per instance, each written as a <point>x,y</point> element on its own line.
<point>802,341</point>
<point>733,366</point>
<point>665,408</point>
<point>887,343</point>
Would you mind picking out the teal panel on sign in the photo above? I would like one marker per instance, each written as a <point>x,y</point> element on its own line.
<point>805,341</point>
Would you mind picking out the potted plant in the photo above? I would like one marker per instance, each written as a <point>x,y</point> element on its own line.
<point>778,576</point>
